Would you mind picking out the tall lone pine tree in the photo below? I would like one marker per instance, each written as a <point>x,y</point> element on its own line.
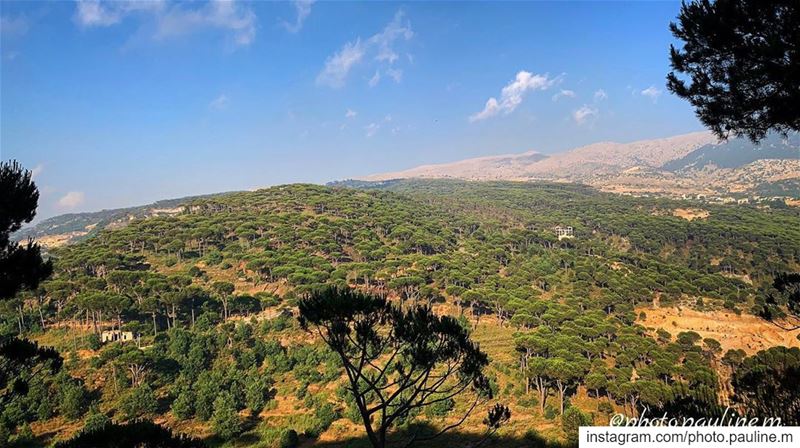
<point>399,362</point>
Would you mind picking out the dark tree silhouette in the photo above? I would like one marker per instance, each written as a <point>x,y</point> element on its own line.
<point>693,402</point>
<point>784,294</point>
<point>21,268</point>
<point>399,361</point>
<point>766,384</point>
<point>140,434</point>
<point>742,60</point>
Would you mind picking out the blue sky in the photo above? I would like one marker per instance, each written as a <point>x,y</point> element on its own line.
<point>125,103</point>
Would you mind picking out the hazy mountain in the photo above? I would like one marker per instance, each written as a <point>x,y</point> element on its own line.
<point>507,166</point>
<point>737,153</point>
<point>71,227</point>
<point>597,158</point>
<point>685,164</point>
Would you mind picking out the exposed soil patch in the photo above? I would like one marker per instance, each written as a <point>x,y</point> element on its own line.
<point>746,332</point>
<point>690,214</point>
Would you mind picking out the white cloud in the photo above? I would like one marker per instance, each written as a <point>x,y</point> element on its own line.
<point>372,129</point>
<point>379,48</point>
<point>13,26</point>
<point>585,114</point>
<point>491,108</point>
<point>395,74</point>
<point>376,78</point>
<point>350,113</point>
<point>37,171</point>
<point>384,40</point>
<point>652,93</point>
<point>512,94</point>
<point>338,66</point>
<point>71,199</point>
<point>93,13</point>
<point>303,8</point>
<point>173,19</point>
<point>600,95</point>
<point>564,94</point>
<point>219,103</point>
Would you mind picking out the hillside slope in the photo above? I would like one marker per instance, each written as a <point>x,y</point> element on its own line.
<point>209,292</point>
<point>72,227</point>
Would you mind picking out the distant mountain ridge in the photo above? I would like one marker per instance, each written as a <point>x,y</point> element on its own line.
<point>602,157</point>
<point>682,165</point>
<point>484,168</point>
<point>738,153</point>
<point>72,227</point>
<point>695,163</point>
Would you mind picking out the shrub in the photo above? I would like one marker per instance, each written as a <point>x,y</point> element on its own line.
<point>257,393</point>
<point>324,415</point>
<point>605,408</point>
<point>24,436</point>
<point>93,341</point>
<point>225,419</point>
<point>572,419</point>
<point>72,400</point>
<point>183,406</point>
<point>205,391</point>
<point>289,439</point>
<point>529,401</point>
<point>95,421</point>
<point>440,408</point>
<point>139,401</point>
<point>212,258</point>
<point>5,434</point>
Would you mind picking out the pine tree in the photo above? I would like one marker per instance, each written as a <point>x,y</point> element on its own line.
<point>743,60</point>
<point>225,420</point>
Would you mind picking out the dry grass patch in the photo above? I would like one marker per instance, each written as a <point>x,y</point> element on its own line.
<point>691,214</point>
<point>745,331</point>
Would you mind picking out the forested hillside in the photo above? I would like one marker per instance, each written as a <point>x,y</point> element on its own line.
<point>71,227</point>
<point>209,296</point>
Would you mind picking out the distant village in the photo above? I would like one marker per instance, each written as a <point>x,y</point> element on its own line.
<point>764,201</point>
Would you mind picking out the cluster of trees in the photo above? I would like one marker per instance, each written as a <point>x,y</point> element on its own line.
<point>188,285</point>
<point>621,364</point>
<point>437,240</point>
<point>487,248</point>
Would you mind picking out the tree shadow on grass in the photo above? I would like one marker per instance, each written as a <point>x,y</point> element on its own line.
<point>451,439</point>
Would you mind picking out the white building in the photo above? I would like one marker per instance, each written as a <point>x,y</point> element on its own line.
<point>564,232</point>
<point>116,335</point>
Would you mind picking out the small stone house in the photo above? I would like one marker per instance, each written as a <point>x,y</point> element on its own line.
<point>116,335</point>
